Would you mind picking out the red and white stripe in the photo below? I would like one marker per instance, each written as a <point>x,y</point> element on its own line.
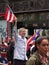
<point>9,15</point>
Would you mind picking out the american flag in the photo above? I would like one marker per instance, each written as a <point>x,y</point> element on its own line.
<point>32,39</point>
<point>9,15</point>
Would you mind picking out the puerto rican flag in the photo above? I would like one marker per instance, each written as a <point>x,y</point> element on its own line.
<point>9,15</point>
<point>31,40</point>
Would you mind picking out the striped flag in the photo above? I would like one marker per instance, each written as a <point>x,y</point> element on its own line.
<point>32,39</point>
<point>10,18</point>
<point>9,15</point>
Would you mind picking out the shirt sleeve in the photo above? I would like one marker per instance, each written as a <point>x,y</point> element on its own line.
<point>15,33</point>
<point>31,61</point>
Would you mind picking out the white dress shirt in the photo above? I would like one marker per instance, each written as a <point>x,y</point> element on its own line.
<point>20,47</point>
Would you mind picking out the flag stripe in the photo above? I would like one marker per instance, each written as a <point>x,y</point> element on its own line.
<point>12,18</point>
<point>9,15</point>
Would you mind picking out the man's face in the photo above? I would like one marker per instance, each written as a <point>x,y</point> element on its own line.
<point>23,32</point>
<point>43,47</point>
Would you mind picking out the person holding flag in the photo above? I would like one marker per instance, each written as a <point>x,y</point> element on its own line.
<point>19,57</point>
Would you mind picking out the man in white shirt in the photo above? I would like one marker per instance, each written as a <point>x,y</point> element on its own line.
<point>19,57</point>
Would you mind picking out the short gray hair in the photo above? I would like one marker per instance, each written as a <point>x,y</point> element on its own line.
<point>20,29</point>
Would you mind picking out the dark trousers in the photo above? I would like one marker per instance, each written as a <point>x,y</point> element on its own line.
<point>19,62</point>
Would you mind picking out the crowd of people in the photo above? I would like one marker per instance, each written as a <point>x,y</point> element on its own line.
<point>17,54</point>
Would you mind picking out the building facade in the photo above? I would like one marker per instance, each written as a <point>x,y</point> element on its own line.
<point>32,14</point>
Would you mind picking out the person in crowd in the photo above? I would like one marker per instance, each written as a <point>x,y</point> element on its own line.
<point>40,56</point>
<point>10,51</point>
<point>19,57</point>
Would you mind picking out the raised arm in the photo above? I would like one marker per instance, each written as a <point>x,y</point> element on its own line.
<point>15,31</point>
